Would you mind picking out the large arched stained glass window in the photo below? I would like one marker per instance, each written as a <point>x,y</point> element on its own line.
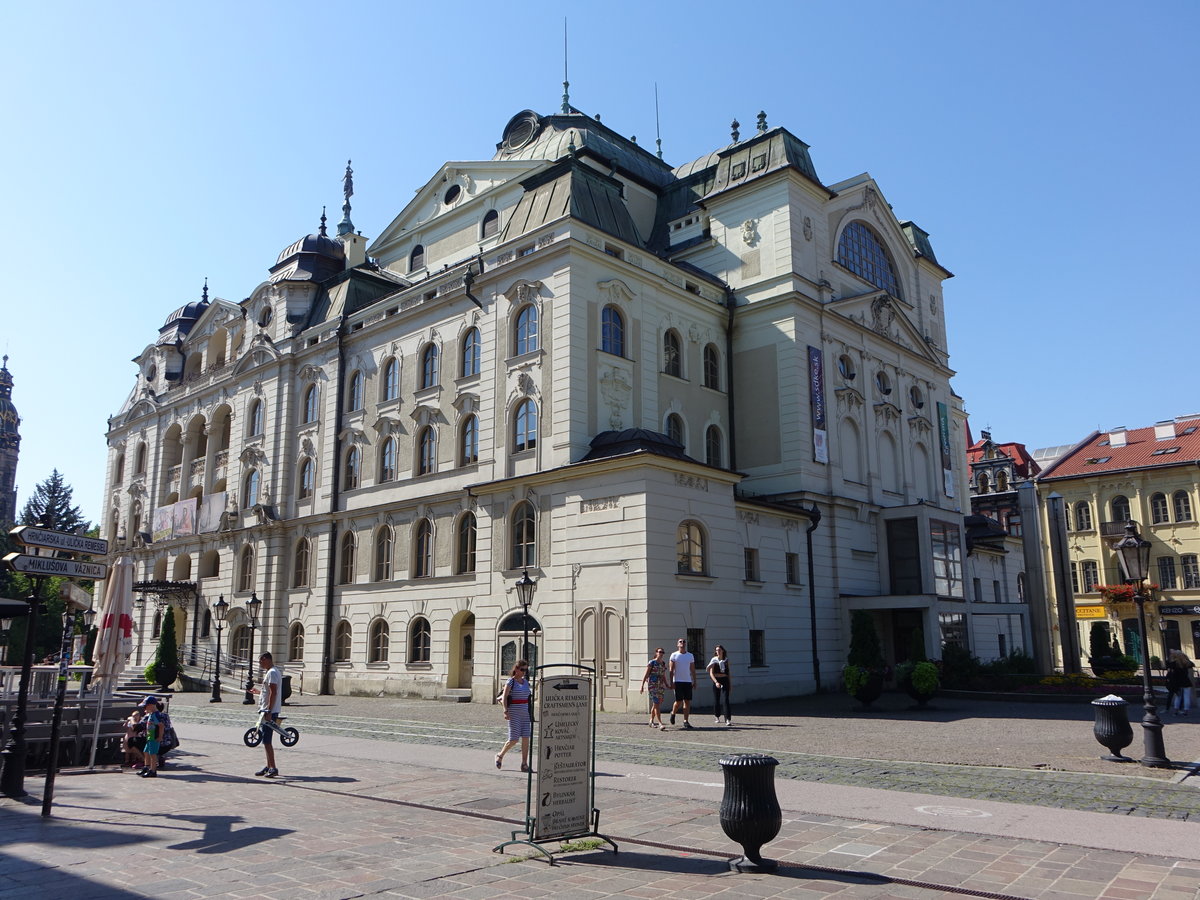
<point>861,251</point>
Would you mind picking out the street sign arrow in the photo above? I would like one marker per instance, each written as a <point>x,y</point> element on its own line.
<point>32,536</point>
<point>49,565</point>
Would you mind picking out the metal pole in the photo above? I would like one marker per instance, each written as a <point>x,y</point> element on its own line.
<point>249,698</point>
<point>1154,754</point>
<point>56,722</point>
<point>815,520</point>
<point>12,779</point>
<point>216,688</point>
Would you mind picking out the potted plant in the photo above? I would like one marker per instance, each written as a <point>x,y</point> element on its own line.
<point>864,671</point>
<point>917,676</point>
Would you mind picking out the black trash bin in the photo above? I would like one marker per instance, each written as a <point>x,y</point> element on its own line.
<point>287,688</point>
<point>750,812</point>
<point>1112,728</point>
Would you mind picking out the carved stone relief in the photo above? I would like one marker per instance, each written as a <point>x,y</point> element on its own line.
<point>616,390</point>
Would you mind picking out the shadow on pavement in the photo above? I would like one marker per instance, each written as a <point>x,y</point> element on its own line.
<point>59,882</point>
<point>219,836</point>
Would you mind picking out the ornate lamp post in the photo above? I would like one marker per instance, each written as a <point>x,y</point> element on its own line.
<point>526,588</point>
<point>1134,555</point>
<point>220,610</point>
<point>253,605</point>
<point>5,626</point>
<point>12,779</point>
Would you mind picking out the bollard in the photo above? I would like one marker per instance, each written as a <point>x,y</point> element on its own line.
<point>750,813</point>
<point>1112,727</point>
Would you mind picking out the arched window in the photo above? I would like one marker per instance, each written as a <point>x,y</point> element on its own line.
<point>491,224</point>
<point>240,642</point>
<point>418,640</point>
<point>524,536</point>
<point>713,453</point>
<point>465,551</point>
<point>296,643</point>
<point>354,397</point>
<point>139,466</point>
<point>387,461</point>
<point>383,553</point>
<point>1159,511</point>
<point>423,550</point>
<point>378,638</point>
<point>246,569</point>
<point>307,476</point>
<point>156,626</point>
<point>612,331</point>
<point>712,367</point>
<point>250,493</point>
<point>1002,481</point>
<point>206,624</point>
<point>351,470</point>
<point>119,469</point>
<point>389,388</point>
<point>470,353</point>
<point>255,419</point>
<point>416,259</point>
<point>690,550</point>
<point>301,563</point>
<point>675,428</point>
<point>526,330</point>
<point>1083,516</point>
<point>426,451</point>
<point>343,639</point>
<point>984,483</point>
<point>672,354</point>
<point>861,251</point>
<point>468,444</point>
<point>525,426</point>
<point>1021,587</point>
<point>1183,506</point>
<point>349,557</point>
<point>310,404</point>
<point>429,366</point>
<point>1120,508</point>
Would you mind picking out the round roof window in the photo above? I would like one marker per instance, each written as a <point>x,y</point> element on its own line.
<point>520,130</point>
<point>452,193</point>
<point>264,317</point>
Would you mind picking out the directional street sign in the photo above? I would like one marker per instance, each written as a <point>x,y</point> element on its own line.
<point>49,565</point>
<point>32,536</point>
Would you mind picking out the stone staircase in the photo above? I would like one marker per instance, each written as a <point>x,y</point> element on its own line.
<point>456,695</point>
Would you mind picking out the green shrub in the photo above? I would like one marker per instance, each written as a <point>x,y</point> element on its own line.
<point>865,649</point>
<point>958,666</point>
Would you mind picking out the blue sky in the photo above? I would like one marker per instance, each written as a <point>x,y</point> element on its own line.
<point>1044,146</point>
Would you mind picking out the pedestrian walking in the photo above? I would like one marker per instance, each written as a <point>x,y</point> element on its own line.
<point>515,698</point>
<point>718,671</point>
<point>658,679</point>
<point>154,733</point>
<point>683,678</point>
<point>1179,682</point>
<point>270,704</point>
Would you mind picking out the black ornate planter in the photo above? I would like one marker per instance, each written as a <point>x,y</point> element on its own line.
<point>750,813</point>
<point>1112,728</point>
<point>920,698</point>
<point>871,691</point>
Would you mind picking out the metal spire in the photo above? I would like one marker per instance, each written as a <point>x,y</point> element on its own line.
<point>657,124</point>
<point>566,101</point>
<point>321,230</point>
<point>204,293</point>
<point>346,226</point>
<point>735,125</point>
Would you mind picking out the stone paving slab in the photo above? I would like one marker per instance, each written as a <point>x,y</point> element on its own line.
<point>340,824</point>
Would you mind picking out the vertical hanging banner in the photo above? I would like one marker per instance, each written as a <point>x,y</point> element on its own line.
<point>562,797</point>
<point>944,441</point>
<point>816,393</point>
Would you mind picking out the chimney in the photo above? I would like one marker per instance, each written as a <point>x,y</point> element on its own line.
<point>1164,431</point>
<point>1116,437</point>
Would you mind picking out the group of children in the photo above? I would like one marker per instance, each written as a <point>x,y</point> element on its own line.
<point>145,734</point>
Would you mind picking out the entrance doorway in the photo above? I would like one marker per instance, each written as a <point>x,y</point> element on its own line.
<point>512,632</point>
<point>602,647</point>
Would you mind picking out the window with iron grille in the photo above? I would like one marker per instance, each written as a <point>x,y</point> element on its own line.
<point>750,560</point>
<point>758,649</point>
<point>791,564</point>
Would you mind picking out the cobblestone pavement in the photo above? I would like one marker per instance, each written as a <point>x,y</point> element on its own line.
<point>1041,754</point>
<point>357,818</point>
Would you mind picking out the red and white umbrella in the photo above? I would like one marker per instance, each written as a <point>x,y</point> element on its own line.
<point>114,640</point>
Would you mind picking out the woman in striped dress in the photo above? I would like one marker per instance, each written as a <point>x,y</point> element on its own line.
<point>516,713</point>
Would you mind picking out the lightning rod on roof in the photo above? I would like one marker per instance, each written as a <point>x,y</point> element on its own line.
<point>566,101</point>
<point>657,123</point>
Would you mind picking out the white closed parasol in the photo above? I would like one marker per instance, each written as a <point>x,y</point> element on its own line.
<point>114,641</point>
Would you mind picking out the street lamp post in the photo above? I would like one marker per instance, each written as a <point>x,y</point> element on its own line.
<point>253,605</point>
<point>12,779</point>
<point>70,621</point>
<point>220,610</point>
<point>1134,555</point>
<point>526,587</point>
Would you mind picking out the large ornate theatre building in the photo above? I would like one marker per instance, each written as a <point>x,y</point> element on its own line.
<point>709,401</point>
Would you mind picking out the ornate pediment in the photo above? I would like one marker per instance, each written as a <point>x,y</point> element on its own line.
<point>887,411</point>
<point>523,291</point>
<point>311,373</point>
<point>466,403</point>
<point>848,398</point>
<point>614,291</point>
<point>424,414</point>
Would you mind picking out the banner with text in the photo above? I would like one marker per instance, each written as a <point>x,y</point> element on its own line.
<point>816,395</point>
<point>947,455</point>
<point>562,798</point>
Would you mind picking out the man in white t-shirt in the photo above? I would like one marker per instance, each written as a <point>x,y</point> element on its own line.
<point>683,676</point>
<point>270,704</point>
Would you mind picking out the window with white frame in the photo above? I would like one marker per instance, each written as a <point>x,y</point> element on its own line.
<point>301,563</point>
<point>354,396</point>
<point>1183,506</point>
<point>612,331</point>
<point>349,557</point>
<point>250,494</point>
<point>675,428</point>
<point>310,404</point>
<point>389,388</point>
<point>1166,573</point>
<point>343,640</point>
<point>1191,571</point>
<point>1083,516</point>
<point>1158,509</point>
<point>307,475</point>
<point>419,640</point>
<point>1091,575</point>
<point>470,353</point>
<point>468,445</point>
<point>946,547</point>
<point>429,367</point>
<point>525,426</point>
<point>750,564</point>
<point>524,536</point>
<point>712,367</point>
<point>352,469</point>
<point>383,553</point>
<point>387,461</point>
<point>296,643</point>
<point>691,549</point>
<point>423,550</point>
<point>758,649</point>
<point>672,354</point>
<point>1120,508</point>
<point>426,451</point>
<point>713,451</point>
<point>526,332</point>
<point>246,569</point>
<point>378,640</point>
<point>465,551</point>
<point>791,566</point>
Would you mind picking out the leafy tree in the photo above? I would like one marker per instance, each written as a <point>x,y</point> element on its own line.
<point>865,649</point>
<point>51,507</point>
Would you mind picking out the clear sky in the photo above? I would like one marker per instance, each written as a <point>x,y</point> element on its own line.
<point>1048,148</point>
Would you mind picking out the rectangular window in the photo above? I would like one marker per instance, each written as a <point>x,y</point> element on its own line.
<point>758,649</point>
<point>1091,575</point>
<point>1074,578</point>
<point>791,563</point>
<point>977,586</point>
<point>953,627</point>
<point>998,596</point>
<point>947,558</point>
<point>1166,572</point>
<point>696,645</point>
<point>1191,570</point>
<point>904,556</point>
<point>750,559</point>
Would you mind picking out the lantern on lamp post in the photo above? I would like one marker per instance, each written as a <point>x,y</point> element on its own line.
<point>220,610</point>
<point>1133,553</point>
<point>253,606</point>
<point>526,588</point>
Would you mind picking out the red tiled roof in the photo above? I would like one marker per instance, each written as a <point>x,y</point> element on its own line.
<point>1141,450</point>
